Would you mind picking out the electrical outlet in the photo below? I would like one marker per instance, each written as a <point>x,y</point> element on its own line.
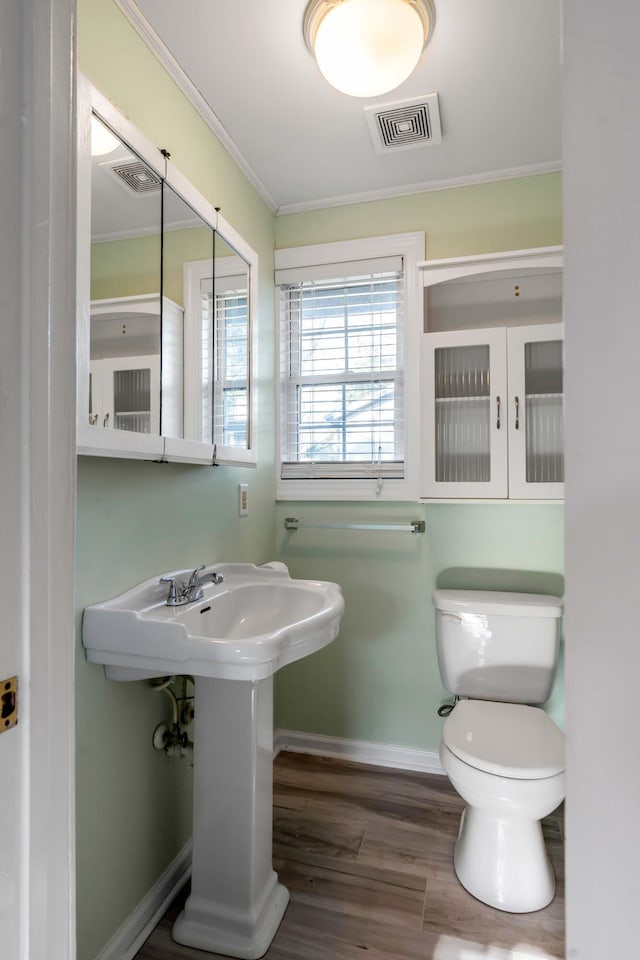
<point>243,499</point>
<point>8,703</point>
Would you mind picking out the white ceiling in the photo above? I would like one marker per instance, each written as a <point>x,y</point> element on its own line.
<point>495,65</point>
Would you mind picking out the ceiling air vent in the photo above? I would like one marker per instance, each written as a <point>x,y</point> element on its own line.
<point>138,177</point>
<point>405,124</point>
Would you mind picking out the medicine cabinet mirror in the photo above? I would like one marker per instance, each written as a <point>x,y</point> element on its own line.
<point>166,305</point>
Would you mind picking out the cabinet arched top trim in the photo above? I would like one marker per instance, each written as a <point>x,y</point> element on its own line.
<point>534,259</point>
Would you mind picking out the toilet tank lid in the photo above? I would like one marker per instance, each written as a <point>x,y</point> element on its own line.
<point>497,603</point>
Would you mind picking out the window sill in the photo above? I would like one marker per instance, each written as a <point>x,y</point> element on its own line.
<point>346,490</point>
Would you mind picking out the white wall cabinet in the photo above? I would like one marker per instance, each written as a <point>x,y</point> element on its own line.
<point>135,374</point>
<point>124,393</point>
<point>492,413</point>
<point>491,378</point>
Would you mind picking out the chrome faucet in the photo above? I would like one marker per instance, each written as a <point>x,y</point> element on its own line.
<point>181,592</point>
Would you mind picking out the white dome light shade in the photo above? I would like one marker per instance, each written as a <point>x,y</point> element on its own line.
<point>367,47</point>
<point>102,140</point>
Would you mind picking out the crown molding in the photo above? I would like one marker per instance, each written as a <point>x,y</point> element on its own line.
<point>162,53</point>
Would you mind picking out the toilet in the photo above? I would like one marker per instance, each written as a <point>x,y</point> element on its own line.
<point>500,750</point>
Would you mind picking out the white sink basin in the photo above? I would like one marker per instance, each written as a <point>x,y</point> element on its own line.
<point>256,621</point>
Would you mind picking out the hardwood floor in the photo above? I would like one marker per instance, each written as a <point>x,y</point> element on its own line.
<point>367,855</point>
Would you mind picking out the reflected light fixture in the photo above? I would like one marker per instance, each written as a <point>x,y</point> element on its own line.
<point>367,47</point>
<point>102,140</point>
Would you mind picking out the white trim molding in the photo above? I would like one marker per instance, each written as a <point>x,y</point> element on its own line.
<point>358,751</point>
<point>130,936</point>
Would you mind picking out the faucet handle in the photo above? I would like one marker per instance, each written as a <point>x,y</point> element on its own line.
<point>172,598</point>
<point>194,579</point>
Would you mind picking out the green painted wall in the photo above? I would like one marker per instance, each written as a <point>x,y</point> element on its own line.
<point>488,217</point>
<point>126,268</point>
<point>379,681</point>
<point>136,519</point>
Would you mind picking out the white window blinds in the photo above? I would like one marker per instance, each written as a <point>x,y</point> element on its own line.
<point>225,361</point>
<point>342,384</point>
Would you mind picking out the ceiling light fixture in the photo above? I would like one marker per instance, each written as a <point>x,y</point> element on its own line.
<point>367,47</point>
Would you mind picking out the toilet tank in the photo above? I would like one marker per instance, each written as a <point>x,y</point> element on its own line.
<point>497,646</point>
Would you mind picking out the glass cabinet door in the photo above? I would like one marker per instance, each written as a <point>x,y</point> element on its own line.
<point>124,393</point>
<point>465,430</point>
<point>536,459</point>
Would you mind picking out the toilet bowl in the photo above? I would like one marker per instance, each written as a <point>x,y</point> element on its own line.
<point>507,762</point>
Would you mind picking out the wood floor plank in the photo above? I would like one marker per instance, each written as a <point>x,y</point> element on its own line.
<point>426,852</point>
<point>450,910</point>
<point>306,833</point>
<point>312,933</point>
<point>358,780</point>
<point>356,891</point>
<point>367,854</point>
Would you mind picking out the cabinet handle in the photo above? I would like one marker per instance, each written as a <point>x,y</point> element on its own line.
<point>517,413</point>
<point>106,420</point>
<point>93,420</point>
<point>497,413</point>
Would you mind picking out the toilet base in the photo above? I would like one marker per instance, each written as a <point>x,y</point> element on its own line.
<point>504,863</point>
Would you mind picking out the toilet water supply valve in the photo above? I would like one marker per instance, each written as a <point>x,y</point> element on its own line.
<point>174,740</point>
<point>445,709</point>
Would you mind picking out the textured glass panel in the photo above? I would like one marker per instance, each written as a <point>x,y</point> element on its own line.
<point>462,420</point>
<point>132,400</point>
<point>543,367</point>
<point>543,420</point>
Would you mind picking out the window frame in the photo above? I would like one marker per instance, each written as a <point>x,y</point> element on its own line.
<point>195,272</point>
<point>411,247</point>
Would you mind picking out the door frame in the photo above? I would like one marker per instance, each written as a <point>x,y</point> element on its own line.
<point>37,429</point>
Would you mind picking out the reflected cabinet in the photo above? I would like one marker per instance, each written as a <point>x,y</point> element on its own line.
<point>166,305</point>
<point>492,403</point>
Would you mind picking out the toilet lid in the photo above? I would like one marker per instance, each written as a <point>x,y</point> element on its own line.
<point>508,739</point>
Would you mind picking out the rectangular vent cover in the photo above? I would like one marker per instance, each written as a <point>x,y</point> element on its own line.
<point>405,124</point>
<point>138,177</point>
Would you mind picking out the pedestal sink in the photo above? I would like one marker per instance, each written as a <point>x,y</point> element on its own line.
<point>232,641</point>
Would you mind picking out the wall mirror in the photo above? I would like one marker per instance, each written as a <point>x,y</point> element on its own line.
<point>166,305</point>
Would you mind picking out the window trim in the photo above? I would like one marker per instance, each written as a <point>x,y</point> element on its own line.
<point>411,247</point>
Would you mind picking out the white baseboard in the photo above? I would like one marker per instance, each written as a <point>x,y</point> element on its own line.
<point>358,751</point>
<point>128,939</point>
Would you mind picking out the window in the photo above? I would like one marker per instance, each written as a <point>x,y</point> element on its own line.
<point>349,334</point>
<point>220,404</point>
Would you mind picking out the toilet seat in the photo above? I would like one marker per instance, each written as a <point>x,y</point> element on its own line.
<point>505,739</point>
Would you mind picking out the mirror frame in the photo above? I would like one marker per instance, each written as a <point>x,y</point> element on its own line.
<point>122,443</point>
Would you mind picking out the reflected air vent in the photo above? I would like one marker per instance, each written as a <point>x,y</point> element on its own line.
<point>405,124</point>
<point>138,177</point>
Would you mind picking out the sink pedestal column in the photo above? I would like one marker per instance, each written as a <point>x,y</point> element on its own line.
<point>236,902</point>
